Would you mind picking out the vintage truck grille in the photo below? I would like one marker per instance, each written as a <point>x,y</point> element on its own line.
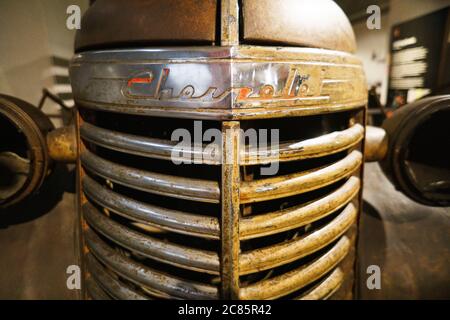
<point>219,228</point>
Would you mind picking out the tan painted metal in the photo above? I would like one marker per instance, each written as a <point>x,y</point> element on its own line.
<point>295,22</point>
<point>149,21</point>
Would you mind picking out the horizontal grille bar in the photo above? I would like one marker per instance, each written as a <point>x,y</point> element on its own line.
<point>115,288</point>
<point>224,115</point>
<point>163,149</point>
<point>137,145</point>
<point>326,287</point>
<point>145,276</point>
<point>177,187</point>
<point>291,218</point>
<point>160,250</point>
<point>177,221</point>
<point>285,252</point>
<point>311,148</point>
<point>292,281</point>
<point>284,186</point>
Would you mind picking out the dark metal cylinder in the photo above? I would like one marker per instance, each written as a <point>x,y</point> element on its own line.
<point>418,160</point>
<point>24,161</point>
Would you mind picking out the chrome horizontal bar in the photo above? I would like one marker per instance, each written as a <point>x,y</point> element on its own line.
<point>294,280</point>
<point>115,288</point>
<point>204,53</point>
<point>160,250</point>
<point>325,288</point>
<point>163,149</point>
<point>142,146</point>
<point>311,148</point>
<point>285,252</point>
<point>172,220</point>
<point>266,224</point>
<point>145,276</point>
<point>220,114</point>
<point>292,184</point>
<point>167,185</point>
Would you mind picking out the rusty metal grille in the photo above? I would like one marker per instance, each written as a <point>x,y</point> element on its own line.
<point>154,229</point>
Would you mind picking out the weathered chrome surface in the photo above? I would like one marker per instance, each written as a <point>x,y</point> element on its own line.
<point>282,253</point>
<point>202,83</point>
<point>112,286</point>
<point>231,180</point>
<point>276,287</point>
<point>143,276</point>
<point>147,147</point>
<point>284,186</point>
<point>164,149</point>
<point>311,148</point>
<point>326,288</point>
<point>228,250</point>
<point>177,221</point>
<point>182,256</point>
<point>291,218</point>
<point>184,188</point>
<point>376,146</point>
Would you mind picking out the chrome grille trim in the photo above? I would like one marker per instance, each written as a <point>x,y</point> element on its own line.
<point>114,287</point>
<point>288,251</point>
<point>181,256</point>
<point>137,145</point>
<point>279,286</point>
<point>325,288</point>
<point>177,221</point>
<point>298,216</point>
<point>163,149</point>
<point>311,148</point>
<point>177,187</point>
<point>284,186</point>
<point>146,277</point>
